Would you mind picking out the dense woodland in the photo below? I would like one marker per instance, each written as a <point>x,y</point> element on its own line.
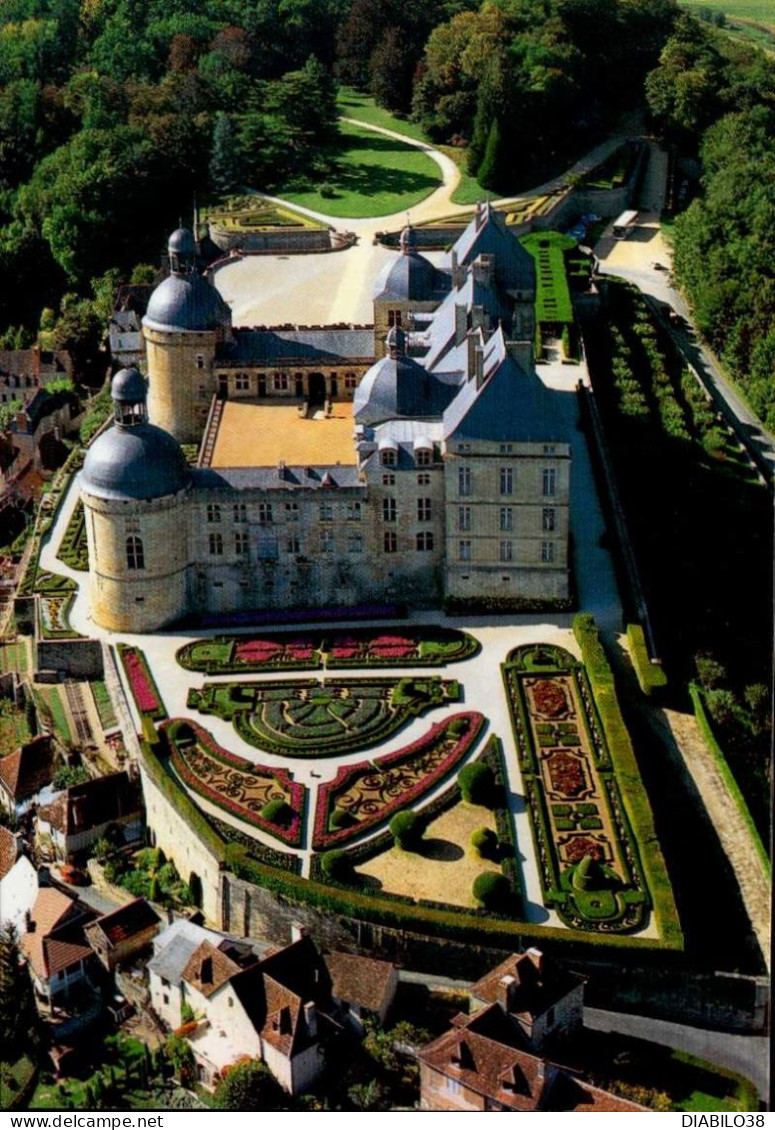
<point>116,114</point>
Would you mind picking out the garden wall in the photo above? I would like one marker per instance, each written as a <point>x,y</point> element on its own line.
<point>299,240</point>
<point>79,659</point>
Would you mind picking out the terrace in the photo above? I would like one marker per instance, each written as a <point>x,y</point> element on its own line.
<point>264,435</point>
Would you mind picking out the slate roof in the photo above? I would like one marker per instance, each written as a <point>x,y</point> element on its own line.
<point>359,980</point>
<point>488,234</point>
<point>325,477</point>
<point>29,769</point>
<point>186,304</point>
<point>126,922</point>
<point>410,277</point>
<point>399,387</point>
<point>303,346</point>
<point>138,462</point>
<point>537,983</point>
<point>45,403</point>
<point>173,948</point>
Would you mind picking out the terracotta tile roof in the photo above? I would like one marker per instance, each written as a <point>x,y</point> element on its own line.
<point>9,850</point>
<point>208,968</point>
<point>274,991</point>
<point>360,980</point>
<point>489,1068</point>
<point>65,948</point>
<point>282,1028</point>
<point>134,918</point>
<point>49,910</point>
<point>29,769</point>
<point>527,984</point>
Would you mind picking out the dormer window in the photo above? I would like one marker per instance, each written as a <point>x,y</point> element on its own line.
<point>424,457</point>
<point>388,457</point>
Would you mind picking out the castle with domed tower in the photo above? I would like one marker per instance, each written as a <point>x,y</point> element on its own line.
<point>437,472</point>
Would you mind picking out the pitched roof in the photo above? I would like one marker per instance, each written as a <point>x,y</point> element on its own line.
<point>54,942</point>
<point>208,968</point>
<point>173,948</point>
<point>134,918</point>
<point>29,769</point>
<point>360,980</point>
<point>324,346</point>
<point>65,948</point>
<point>9,850</point>
<point>93,803</point>
<point>530,982</point>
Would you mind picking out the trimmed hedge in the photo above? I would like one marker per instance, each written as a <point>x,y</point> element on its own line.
<point>634,797</point>
<point>706,729</point>
<point>651,676</point>
<point>492,890</point>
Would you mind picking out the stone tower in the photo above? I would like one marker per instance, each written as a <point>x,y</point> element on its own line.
<point>134,488</point>
<point>185,321</point>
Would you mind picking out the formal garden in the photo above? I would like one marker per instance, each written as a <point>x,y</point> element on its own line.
<point>307,718</point>
<point>141,682</point>
<point>73,550</point>
<point>416,647</point>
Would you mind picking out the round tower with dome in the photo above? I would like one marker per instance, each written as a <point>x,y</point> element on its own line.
<point>134,486</point>
<point>185,321</point>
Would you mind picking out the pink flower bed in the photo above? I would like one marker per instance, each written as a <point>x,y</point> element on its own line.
<point>344,652</point>
<point>294,791</point>
<point>392,641</point>
<point>391,652</point>
<point>322,839</point>
<point>143,689</point>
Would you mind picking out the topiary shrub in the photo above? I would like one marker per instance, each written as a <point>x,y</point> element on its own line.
<point>458,727</point>
<point>341,818</point>
<point>278,812</point>
<point>336,865</point>
<point>485,843</point>
<point>476,783</point>
<point>492,891</point>
<point>407,830</point>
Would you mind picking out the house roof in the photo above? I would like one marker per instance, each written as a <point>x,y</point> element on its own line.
<point>325,346</point>
<point>9,850</point>
<point>360,980</point>
<point>45,403</point>
<point>126,922</point>
<point>532,982</point>
<point>488,234</point>
<point>93,803</point>
<point>173,948</point>
<point>208,968</point>
<point>29,769</point>
<point>55,940</point>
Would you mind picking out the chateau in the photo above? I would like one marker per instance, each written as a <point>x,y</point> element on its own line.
<point>420,460</point>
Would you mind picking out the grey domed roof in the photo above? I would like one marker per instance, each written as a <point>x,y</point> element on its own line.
<point>186,302</point>
<point>182,242</point>
<point>410,277</point>
<point>128,386</point>
<point>138,462</point>
<point>397,387</point>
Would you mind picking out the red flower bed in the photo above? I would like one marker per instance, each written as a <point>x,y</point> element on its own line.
<point>550,698</point>
<point>576,848</point>
<point>295,792</point>
<point>344,652</point>
<point>566,774</point>
<point>143,689</point>
<point>392,641</point>
<point>322,839</point>
<point>391,652</point>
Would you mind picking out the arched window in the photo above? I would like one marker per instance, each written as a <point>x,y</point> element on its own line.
<point>135,554</point>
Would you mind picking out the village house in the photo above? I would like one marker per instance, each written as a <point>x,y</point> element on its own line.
<point>121,935</point>
<point>26,774</point>
<point>77,817</point>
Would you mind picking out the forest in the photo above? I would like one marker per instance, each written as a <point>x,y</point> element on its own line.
<point>116,115</point>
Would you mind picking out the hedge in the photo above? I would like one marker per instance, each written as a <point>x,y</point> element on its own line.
<point>651,676</point>
<point>634,797</point>
<point>703,721</point>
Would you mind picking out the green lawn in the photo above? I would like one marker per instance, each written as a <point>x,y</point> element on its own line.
<point>759,11</point>
<point>468,191</point>
<point>375,176</point>
<point>52,707</point>
<point>354,104</point>
<point>553,303</point>
<point>13,728</point>
<point>14,1077</point>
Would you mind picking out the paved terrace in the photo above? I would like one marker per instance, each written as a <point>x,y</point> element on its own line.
<point>260,435</point>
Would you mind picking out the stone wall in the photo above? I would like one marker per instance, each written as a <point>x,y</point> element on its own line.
<point>78,659</point>
<point>299,240</point>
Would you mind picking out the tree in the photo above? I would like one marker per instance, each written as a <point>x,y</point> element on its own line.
<point>181,1057</point>
<point>223,158</point>
<point>485,843</point>
<point>18,1016</point>
<point>336,865</point>
<point>492,891</point>
<point>249,1085</point>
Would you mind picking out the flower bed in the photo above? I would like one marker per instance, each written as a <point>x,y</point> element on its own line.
<point>307,718</point>
<point>233,783</point>
<point>73,549</point>
<point>54,617</point>
<point>371,792</point>
<point>571,793</point>
<point>422,647</point>
<point>141,682</point>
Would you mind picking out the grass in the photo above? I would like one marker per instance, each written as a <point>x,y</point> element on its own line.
<point>104,705</point>
<point>51,706</point>
<point>374,176</point>
<point>14,1077</point>
<point>468,191</point>
<point>758,11</point>
<point>553,302</point>
<point>354,104</point>
<point>13,657</point>
<point>13,729</point>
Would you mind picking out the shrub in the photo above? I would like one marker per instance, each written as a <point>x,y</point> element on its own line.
<point>278,811</point>
<point>485,843</point>
<point>341,818</point>
<point>407,830</point>
<point>491,890</point>
<point>710,672</point>
<point>476,783</point>
<point>336,865</point>
<point>651,676</point>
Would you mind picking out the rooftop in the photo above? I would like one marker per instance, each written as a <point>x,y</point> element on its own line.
<point>127,921</point>
<point>262,435</point>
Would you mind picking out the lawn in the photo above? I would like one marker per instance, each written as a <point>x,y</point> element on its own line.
<point>354,104</point>
<point>553,302</point>
<point>468,191</point>
<point>51,707</point>
<point>375,176</point>
<point>13,727</point>
<point>14,1077</point>
<point>758,11</point>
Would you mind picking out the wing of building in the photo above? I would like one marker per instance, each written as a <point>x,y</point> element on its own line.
<point>418,460</point>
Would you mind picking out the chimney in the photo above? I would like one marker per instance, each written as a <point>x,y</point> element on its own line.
<point>537,958</point>
<point>461,323</point>
<point>206,971</point>
<point>311,1019</point>
<point>483,269</point>
<point>298,931</point>
<point>507,988</point>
